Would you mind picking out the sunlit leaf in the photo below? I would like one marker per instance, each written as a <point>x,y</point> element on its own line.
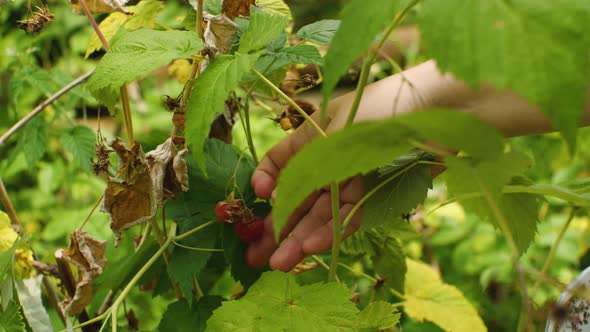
<point>277,303</point>
<point>378,316</point>
<point>428,298</point>
<point>263,28</point>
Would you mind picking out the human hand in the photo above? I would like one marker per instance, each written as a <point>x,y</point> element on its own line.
<point>309,229</point>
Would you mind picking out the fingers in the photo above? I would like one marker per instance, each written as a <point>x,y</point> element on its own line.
<point>265,175</point>
<point>321,239</point>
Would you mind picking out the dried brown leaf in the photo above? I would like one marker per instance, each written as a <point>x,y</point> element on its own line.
<point>87,254</point>
<point>220,32</point>
<point>180,169</point>
<point>158,161</point>
<point>129,199</point>
<point>101,6</point>
<point>235,8</point>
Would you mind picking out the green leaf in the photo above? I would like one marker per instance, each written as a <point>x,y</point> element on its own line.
<point>185,264</point>
<point>320,32</point>
<point>264,28</point>
<point>79,142</point>
<point>324,161</point>
<point>378,316</point>
<point>298,54</point>
<point>223,161</point>
<point>513,45</point>
<point>11,319</point>
<point>428,298</point>
<point>208,97</point>
<point>519,211</point>
<point>181,316</point>
<point>385,251</point>
<point>478,139</point>
<point>234,251</point>
<point>401,195</point>
<point>29,296</point>
<point>135,55</point>
<point>277,303</point>
<point>360,24</point>
<point>34,139</point>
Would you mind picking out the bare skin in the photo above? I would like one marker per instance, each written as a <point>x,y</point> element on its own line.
<point>309,230</point>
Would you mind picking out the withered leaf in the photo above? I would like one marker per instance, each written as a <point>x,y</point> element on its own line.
<point>101,6</point>
<point>129,199</point>
<point>87,254</point>
<point>220,32</point>
<point>235,8</point>
<point>180,169</point>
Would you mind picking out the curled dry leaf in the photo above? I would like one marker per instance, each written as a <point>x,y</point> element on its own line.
<point>303,267</point>
<point>219,33</point>
<point>129,199</point>
<point>101,6</point>
<point>235,8</point>
<point>36,23</point>
<point>168,171</point>
<point>87,254</point>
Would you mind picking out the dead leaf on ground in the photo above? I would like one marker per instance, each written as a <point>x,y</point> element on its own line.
<point>235,8</point>
<point>219,32</point>
<point>87,254</point>
<point>101,6</point>
<point>129,198</point>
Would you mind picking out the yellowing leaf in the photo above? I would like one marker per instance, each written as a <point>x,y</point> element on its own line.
<point>100,6</point>
<point>428,298</point>
<point>144,16</point>
<point>109,27</point>
<point>180,69</point>
<point>275,7</point>
<point>7,234</point>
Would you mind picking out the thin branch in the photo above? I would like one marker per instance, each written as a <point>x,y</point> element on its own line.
<point>43,105</point>
<point>5,199</point>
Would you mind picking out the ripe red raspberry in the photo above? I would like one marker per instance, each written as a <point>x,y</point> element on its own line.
<point>249,232</point>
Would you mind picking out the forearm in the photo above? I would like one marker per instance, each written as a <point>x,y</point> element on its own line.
<point>425,87</point>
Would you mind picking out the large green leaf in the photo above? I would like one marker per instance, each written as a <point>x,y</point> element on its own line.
<point>264,27</point>
<point>277,303</point>
<point>428,298</point>
<point>366,146</point>
<point>378,316</point>
<point>234,253</point>
<point>346,153</point>
<point>208,97</point>
<point>320,32</point>
<point>79,142</point>
<point>397,197</point>
<point>135,55</point>
<point>360,24</point>
<point>34,139</point>
<point>537,48</point>
<point>181,316</point>
<point>11,319</point>
<point>518,211</point>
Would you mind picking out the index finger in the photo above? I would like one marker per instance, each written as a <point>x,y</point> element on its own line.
<point>265,175</point>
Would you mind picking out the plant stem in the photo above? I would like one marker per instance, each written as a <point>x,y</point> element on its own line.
<point>195,248</point>
<point>123,90</point>
<point>290,102</point>
<point>43,105</point>
<point>554,248</point>
<point>91,212</point>
<point>5,199</point>
<point>193,231</point>
<point>336,231</point>
<point>138,275</point>
<point>368,62</point>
